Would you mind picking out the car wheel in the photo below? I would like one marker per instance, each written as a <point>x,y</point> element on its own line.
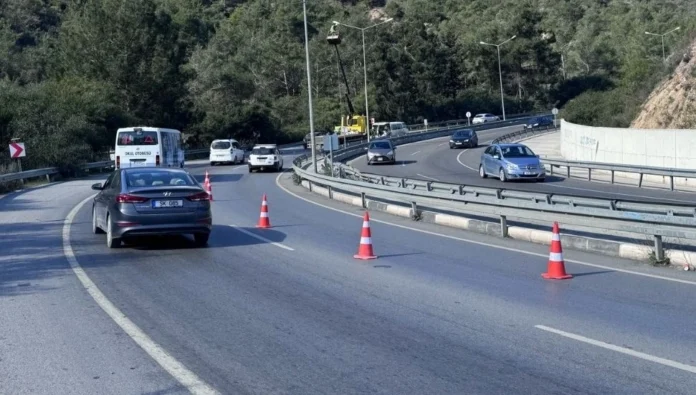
<point>482,173</point>
<point>111,241</point>
<point>250,171</point>
<point>502,175</point>
<point>95,228</point>
<point>201,239</point>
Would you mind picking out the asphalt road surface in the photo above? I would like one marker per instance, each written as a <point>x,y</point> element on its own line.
<point>433,160</point>
<point>288,310</point>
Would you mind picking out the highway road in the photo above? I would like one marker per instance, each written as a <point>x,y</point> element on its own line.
<point>289,311</point>
<point>433,160</point>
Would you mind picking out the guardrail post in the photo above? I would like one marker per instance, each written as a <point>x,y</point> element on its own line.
<point>309,182</point>
<point>382,180</point>
<point>640,180</point>
<point>429,186</point>
<point>330,191</point>
<point>659,251</point>
<point>568,171</point>
<point>414,209</point>
<point>589,174</point>
<point>403,183</point>
<point>551,169</point>
<point>612,176</point>
<point>48,178</point>
<point>363,200</point>
<point>461,190</point>
<point>503,226</point>
<point>671,183</point>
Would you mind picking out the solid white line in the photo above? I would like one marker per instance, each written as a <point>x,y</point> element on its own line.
<point>283,246</point>
<point>417,152</point>
<point>175,368</point>
<point>516,250</point>
<point>423,175</point>
<point>627,351</point>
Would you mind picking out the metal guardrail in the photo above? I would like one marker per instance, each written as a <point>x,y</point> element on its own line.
<point>657,221</point>
<point>612,168</point>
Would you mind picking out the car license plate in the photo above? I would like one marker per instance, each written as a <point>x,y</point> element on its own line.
<point>528,173</point>
<point>167,203</point>
<point>380,159</point>
<point>458,143</point>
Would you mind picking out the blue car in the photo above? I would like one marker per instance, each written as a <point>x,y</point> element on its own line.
<point>511,162</point>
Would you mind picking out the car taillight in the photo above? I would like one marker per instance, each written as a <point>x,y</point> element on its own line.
<point>118,161</point>
<point>126,198</point>
<point>199,197</point>
<point>157,160</point>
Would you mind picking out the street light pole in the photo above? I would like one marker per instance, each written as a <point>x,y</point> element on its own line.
<point>500,72</point>
<point>662,36</point>
<point>362,30</point>
<point>309,89</point>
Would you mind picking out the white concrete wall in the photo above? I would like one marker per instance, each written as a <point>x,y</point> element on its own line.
<point>675,148</point>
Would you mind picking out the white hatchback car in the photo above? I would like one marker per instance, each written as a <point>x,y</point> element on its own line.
<point>483,118</point>
<point>265,157</point>
<point>226,151</point>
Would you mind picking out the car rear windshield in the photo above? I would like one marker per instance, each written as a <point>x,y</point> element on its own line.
<point>137,138</point>
<point>464,133</point>
<point>153,178</point>
<point>380,145</point>
<point>517,151</point>
<point>221,145</point>
<point>262,151</point>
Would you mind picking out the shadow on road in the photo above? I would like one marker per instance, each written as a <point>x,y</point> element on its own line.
<point>222,236</point>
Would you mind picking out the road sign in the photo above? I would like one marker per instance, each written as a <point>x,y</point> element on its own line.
<point>330,142</point>
<point>468,114</point>
<point>17,150</point>
<point>425,121</point>
<point>468,118</point>
<point>554,111</point>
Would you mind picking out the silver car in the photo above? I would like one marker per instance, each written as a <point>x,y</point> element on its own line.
<point>151,201</point>
<point>511,161</point>
<point>381,151</point>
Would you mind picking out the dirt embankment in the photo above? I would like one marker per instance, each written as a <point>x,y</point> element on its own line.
<point>672,105</point>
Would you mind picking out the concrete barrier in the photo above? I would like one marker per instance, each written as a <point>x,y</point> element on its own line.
<point>671,148</point>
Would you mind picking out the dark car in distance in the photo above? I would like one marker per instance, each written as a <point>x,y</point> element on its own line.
<point>464,138</point>
<point>539,122</point>
<point>151,201</point>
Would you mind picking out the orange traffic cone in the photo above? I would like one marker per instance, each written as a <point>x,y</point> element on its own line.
<point>207,178</point>
<point>365,250</point>
<point>209,188</point>
<point>264,221</point>
<point>556,267</point>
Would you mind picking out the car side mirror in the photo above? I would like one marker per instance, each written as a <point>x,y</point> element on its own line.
<point>394,148</point>
<point>97,187</point>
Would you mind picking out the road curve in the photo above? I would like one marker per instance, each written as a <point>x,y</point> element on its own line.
<point>288,310</point>
<point>432,160</point>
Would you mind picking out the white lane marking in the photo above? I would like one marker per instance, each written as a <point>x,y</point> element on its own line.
<point>622,350</point>
<point>175,368</point>
<point>254,235</point>
<point>423,175</point>
<point>516,250</point>
<point>417,152</point>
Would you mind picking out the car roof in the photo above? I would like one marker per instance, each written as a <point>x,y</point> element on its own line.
<point>511,145</point>
<point>146,129</point>
<point>265,146</point>
<point>153,168</point>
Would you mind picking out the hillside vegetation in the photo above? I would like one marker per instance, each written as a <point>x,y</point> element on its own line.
<point>72,71</point>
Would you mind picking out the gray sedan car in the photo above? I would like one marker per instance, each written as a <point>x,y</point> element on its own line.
<point>511,161</point>
<point>151,201</point>
<point>381,151</point>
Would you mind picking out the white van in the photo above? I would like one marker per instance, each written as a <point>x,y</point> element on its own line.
<point>148,146</point>
<point>226,151</point>
<point>390,129</point>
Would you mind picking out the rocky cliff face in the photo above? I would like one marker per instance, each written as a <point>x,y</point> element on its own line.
<point>672,105</point>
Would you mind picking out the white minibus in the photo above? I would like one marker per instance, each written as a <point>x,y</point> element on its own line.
<point>148,146</point>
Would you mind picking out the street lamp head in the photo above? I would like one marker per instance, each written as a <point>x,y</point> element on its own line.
<point>388,20</point>
<point>336,22</point>
<point>513,37</point>
<point>483,43</point>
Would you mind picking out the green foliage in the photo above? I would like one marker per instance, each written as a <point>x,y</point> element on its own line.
<point>72,71</point>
